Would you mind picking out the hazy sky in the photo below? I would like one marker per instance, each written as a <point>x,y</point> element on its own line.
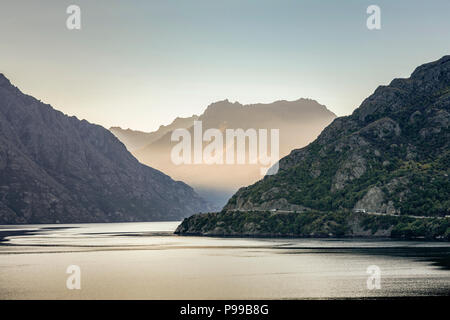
<point>140,64</point>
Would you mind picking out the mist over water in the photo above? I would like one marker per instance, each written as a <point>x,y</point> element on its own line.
<point>146,261</point>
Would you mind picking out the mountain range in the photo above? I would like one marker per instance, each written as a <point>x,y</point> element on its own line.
<point>389,161</point>
<point>299,122</point>
<point>58,169</point>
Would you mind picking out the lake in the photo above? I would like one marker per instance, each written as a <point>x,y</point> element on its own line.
<point>146,261</point>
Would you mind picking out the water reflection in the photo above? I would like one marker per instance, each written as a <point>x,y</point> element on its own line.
<point>146,261</point>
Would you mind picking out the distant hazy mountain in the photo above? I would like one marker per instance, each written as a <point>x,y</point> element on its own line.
<point>299,122</point>
<point>390,156</point>
<point>135,140</point>
<point>55,168</point>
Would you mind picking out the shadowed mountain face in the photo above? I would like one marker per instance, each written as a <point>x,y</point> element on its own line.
<point>55,168</point>
<point>391,155</point>
<point>299,122</point>
<point>389,161</point>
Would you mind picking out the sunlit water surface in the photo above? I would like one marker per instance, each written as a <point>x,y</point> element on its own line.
<point>146,261</point>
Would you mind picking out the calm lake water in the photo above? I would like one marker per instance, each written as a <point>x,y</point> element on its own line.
<point>145,261</point>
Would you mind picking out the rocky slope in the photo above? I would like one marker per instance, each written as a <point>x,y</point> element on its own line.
<point>58,169</point>
<point>135,140</point>
<point>390,156</point>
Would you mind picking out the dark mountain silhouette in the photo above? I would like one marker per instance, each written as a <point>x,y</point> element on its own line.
<point>55,168</point>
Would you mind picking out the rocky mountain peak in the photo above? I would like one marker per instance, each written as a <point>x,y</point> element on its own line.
<point>426,82</point>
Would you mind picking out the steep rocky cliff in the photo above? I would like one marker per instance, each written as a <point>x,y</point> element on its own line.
<point>390,156</point>
<point>58,169</point>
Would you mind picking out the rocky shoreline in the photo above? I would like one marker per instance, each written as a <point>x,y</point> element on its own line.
<point>313,225</point>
